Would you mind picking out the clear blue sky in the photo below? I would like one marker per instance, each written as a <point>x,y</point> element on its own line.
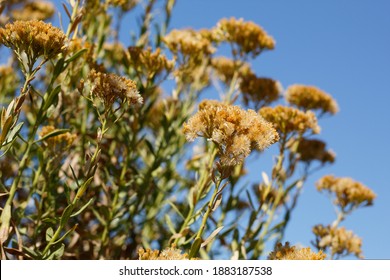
<point>343,47</point>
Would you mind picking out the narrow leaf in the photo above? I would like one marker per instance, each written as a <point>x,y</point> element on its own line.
<point>55,132</point>
<point>211,237</point>
<point>217,202</point>
<point>75,56</point>
<point>82,208</point>
<point>170,224</point>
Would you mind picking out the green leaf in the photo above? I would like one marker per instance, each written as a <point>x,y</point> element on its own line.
<point>211,237</point>
<point>50,98</point>
<point>55,132</point>
<point>49,234</point>
<point>15,130</point>
<point>170,224</point>
<point>31,253</point>
<point>74,176</point>
<point>55,252</point>
<point>195,247</point>
<point>66,215</point>
<point>176,209</point>
<point>82,208</point>
<point>66,234</point>
<point>75,56</point>
<point>250,200</point>
<point>59,67</point>
<point>83,188</point>
<point>217,202</point>
<point>150,147</point>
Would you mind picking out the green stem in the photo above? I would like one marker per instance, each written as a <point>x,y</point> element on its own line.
<point>196,245</point>
<point>202,185</point>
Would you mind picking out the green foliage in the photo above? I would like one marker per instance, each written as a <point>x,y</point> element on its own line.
<point>95,162</point>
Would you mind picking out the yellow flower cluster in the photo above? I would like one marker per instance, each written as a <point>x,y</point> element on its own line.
<point>289,120</point>
<point>312,149</point>
<point>339,240</point>
<point>226,67</point>
<point>235,131</point>
<point>58,142</point>
<point>348,191</point>
<point>287,252</point>
<point>248,36</point>
<point>260,91</point>
<point>148,62</point>
<point>37,10</point>
<point>189,42</point>
<point>110,87</point>
<point>34,38</point>
<point>311,98</point>
<point>167,254</point>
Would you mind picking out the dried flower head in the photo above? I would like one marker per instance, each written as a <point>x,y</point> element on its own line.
<point>37,10</point>
<point>312,149</point>
<point>348,192</point>
<point>287,252</point>
<point>248,36</point>
<point>311,98</point>
<point>225,68</point>
<point>259,91</point>
<point>189,42</point>
<point>110,87</point>
<point>235,131</point>
<point>149,63</point>
<point>170,253</point>
<point>289,120</point>
<point>34,38</point>
<point>59,142</point>
<point>339,240</point>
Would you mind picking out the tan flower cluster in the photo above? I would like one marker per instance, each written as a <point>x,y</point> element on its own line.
<point>289,120</point>
<point>235,131</point>
<point>311,98</point>
<point>8,167</point>
<point>312,149</point>
<point>125,5</point>
<point>110,87</point>
<point>226,67</point>
<point>339,240</point>
<point>8,81</point>
<point>189,42</point>
<point>148,62</point>
<point>347,191</point>
<point>248,36</point>
<point>35,38</point>
<point>37,10</point>
<point>287,252</point>
<point>171,253</point>
<point>59,142</point>
<point>115,53</point>
<point>260,91</point>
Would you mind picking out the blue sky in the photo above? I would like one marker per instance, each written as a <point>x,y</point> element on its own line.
<point>343,47</point>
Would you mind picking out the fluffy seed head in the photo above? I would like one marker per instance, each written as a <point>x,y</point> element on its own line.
<point>235,131</point>
<point>311,98</point>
